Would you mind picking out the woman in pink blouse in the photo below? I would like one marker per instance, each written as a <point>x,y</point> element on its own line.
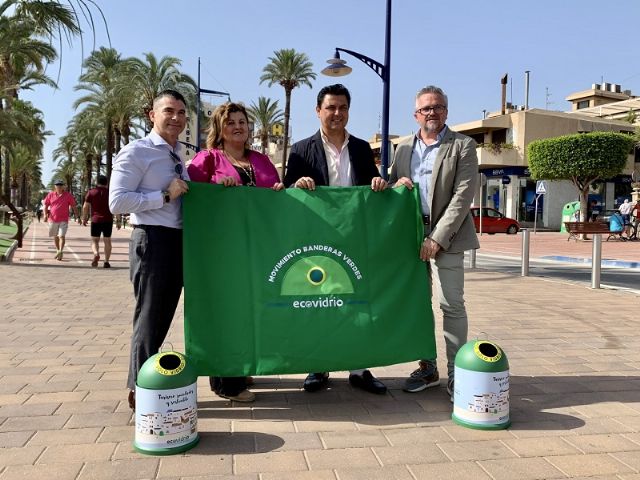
<point>229,161</point>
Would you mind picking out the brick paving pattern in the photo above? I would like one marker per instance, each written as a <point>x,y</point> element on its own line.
<point>574,365</point>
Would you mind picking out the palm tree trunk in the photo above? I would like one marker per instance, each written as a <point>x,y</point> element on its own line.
<point>287,109</point>
<point>5,169</point>
<point>6,181</point>
<point>109,149</point>
<point>88,167</point>
<point>118,135</point>
<point>23,191</point>
<point>12,93</point>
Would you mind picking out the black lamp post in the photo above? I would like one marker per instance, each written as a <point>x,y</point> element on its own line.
<point>338,68</point>
<point>204,90</point>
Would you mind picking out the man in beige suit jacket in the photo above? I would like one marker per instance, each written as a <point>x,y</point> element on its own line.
<point>444,166</point>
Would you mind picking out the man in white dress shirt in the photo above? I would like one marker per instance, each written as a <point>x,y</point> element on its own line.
<point>147,181</point>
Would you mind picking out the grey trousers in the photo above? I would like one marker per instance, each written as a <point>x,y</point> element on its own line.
<point>155,270</point>
<point>447,278</point>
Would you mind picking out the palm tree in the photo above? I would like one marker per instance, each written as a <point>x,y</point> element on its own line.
<point>25,169</point>
<point>56,19</point>
<point>23,25</point>
<point>27,22</point>
<point>22,62</point>
<point>82,145</point>
<point>124,112</point>
<point>265,114</point>
<point>289,69</point>
<point>151,76</point>
<point>22,137</point>
<point>52,19</point>
<point>21,56</point>
<point>107,79</point>
<point>15,128</point>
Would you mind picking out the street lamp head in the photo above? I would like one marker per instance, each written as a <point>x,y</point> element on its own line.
<point>337,67</point>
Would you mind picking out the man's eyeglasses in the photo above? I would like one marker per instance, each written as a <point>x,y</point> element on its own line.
<point>178,162</point>
<point>438,109</point>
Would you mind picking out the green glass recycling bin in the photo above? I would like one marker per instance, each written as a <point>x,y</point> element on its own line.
<point>481,387</point>
<point>166,405</point>
<point>569,214</point>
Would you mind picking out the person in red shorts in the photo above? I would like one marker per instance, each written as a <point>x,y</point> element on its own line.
<point>56,212</point>
<point>96,202</point>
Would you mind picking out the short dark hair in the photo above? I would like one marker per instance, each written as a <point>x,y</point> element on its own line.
<point>336,89</point>
<point>102,180</point>
<point>170,93</point>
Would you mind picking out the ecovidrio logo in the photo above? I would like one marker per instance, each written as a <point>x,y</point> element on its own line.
<point>315,277</point>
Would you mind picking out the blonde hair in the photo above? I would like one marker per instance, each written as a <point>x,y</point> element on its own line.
<point>218,120</point>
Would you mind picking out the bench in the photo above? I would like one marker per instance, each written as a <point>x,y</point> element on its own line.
<point>577,228</point>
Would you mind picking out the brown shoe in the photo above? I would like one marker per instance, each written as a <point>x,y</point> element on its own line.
<point>132,400</point>
<point>244,396</point>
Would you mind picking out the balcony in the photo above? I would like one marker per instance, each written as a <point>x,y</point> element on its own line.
<point>499,154</point>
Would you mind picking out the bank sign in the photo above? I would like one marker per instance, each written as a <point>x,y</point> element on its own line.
<point>298,281</point>
<point>506,171</point>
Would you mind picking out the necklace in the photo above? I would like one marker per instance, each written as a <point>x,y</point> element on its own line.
<point>249,173</point>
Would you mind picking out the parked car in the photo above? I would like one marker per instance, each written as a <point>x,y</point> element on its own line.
<point>493,221</point>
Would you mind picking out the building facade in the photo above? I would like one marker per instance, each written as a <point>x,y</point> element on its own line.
<point>502,157</point>
<point>502,140</point>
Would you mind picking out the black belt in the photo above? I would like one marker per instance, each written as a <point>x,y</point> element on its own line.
<point>155,227</point>
<point>426,219</point>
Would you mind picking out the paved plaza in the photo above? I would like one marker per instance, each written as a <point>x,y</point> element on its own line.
<point>574,357</point>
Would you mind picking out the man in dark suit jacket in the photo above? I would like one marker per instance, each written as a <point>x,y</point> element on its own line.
<point>332,157</point>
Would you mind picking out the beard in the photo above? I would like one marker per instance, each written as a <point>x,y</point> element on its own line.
<point>432,126</point>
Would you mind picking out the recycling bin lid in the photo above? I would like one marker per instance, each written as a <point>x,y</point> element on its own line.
<point>166,370</point>
<point>482,356</point>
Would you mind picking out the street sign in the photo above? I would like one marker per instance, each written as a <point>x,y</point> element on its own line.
<point>506,180</point>
<point>541,187</point>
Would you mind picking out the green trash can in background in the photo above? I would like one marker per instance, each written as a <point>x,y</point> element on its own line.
<point>569,214</point>
<point>166,405</point>
<point>481,388</point>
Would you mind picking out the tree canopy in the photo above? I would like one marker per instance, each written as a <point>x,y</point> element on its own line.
<point>265,114</point>
<point>582,158</point>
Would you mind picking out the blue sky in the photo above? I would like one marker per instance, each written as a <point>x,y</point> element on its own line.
<point>462,46</point>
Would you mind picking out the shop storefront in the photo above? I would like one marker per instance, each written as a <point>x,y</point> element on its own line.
<point>511,191</point>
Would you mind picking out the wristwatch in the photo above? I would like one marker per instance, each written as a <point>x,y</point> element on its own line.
<point>166,197</point>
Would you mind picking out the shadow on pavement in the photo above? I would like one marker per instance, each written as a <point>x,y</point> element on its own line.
<point>536,403</point>
<point>225,443</point>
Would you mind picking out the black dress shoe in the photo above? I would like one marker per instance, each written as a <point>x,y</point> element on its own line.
<point>131,399</point>
<point>367,382</point>
<point>316,381</point>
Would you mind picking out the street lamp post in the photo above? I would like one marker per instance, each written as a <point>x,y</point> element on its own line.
<point>203,90</point>
<point>338,68</point>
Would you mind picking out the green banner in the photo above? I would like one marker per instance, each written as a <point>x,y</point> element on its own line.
<point>298,281</point>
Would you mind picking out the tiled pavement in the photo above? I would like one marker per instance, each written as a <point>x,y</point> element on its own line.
<point>64,332</point>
